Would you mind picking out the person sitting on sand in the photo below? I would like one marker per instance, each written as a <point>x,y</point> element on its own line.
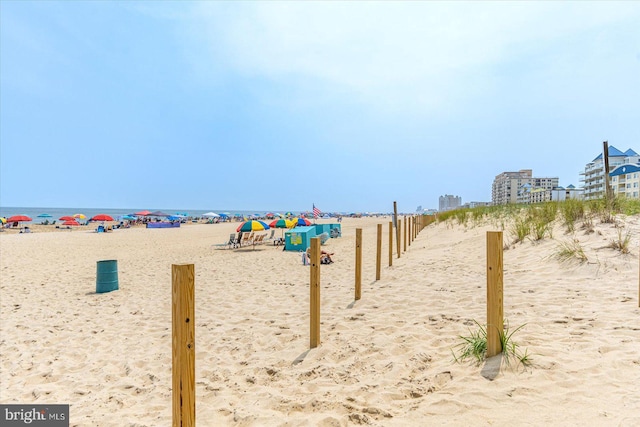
<point>325,257</point>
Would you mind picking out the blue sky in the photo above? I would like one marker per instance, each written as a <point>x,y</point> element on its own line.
<point>278,105</point>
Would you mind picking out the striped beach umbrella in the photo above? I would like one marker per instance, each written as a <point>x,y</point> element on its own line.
<point>281,223</point>
<point>301,221</point>
<point>252,225</point>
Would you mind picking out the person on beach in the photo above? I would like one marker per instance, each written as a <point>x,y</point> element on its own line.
<point>325,257</point>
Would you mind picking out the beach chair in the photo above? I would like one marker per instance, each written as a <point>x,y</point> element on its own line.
<point>324,237</point>
<point>266,239</point>
<point>259,239</point>
<point>233,241</point>
<point>335,232</point>
<point>247,238</point>
<point>101,229</point>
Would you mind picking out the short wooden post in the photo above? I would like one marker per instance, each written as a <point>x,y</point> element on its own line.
<point>378,251</point>
<point>314,281</point>
<point>358,263</point>
<point>495,310</point>
<point>183,345</point>
<point>390,243</point>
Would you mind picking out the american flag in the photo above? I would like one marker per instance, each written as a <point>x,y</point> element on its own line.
<point>316,211</point>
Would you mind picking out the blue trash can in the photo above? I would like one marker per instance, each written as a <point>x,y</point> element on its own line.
<point>107,276</point>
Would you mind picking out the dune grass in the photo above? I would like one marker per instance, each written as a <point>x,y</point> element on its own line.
<point>475,346</point>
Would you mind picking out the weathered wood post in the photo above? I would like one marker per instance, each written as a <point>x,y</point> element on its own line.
<point>358,263</point>
<point>398,226</point>
<point>183,345</point>
<point>314,282</point>
<point>495,309</point>
<point>410,228</point>
<point>390,243</point>
<point>404,221</point>
<point>378,251</point>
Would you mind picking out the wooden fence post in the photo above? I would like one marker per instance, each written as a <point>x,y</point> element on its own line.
<point>314,282</point>
<point>390,243</point>
<point>358,263</point>
<point>378,251</point>
<point>495,309</point>
<point>404,220</point>
<point>183,345</point>
<point>398,226</point>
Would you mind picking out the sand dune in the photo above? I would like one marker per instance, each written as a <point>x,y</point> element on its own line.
<point>384,360</point>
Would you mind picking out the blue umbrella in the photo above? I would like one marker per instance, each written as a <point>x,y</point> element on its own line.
<point>45,215</point>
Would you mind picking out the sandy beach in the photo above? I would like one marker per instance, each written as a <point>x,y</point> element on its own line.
<point>385,360</point>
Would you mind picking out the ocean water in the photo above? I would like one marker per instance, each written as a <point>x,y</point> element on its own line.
<point>56,213</point>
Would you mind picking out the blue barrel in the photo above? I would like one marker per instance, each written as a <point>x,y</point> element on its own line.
<point>107,277</point>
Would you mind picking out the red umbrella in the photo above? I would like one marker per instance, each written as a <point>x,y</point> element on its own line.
<point>101,217</point>
<point>67,218</point>
<point>71,222</point>
<point>142,213</point>
<point>19,218</point>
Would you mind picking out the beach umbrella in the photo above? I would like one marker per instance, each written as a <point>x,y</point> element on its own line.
<point>71,222</point>
<point>143,213</point>
<point>66,218</point>
<point>301,221</point>
<point>128,217</point>
<point>288,214</point>
<point>44,215</point>
<point>80,216</point>
<point>19,218</point>
<point>211,215</point>
<point>252,226</point>
<point>3,220</point>
<point>176,217</point>
<point>101,217</point>
<point>158,213</point>
<point>281,223</point>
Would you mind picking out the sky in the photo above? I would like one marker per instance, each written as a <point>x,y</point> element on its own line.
<point>280,105</point>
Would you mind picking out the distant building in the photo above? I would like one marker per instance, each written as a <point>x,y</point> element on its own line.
<point>471,205</point>
<point>560,194</point>
<point>593,175</point>
<point>521,187</point>
<point>449,202</point>
<point>625,180</point>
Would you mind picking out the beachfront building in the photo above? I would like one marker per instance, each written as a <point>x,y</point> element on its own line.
<point>521,187</point>
<point>471,205</point>
<point>449,202</point>
<point>625,180</point>
<point>560,194</point>
<point>593,175</point>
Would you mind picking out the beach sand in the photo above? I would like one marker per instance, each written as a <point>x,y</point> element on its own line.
<point>385,360</point>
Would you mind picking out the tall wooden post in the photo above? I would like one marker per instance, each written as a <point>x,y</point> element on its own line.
<point>390,243</point>
<point>495,310</point>
<point>397,221</point>
<point>314,297</point>
<point>410,228</point>
<point>183,345</point>
<point>404,220</point>
<point>358,263</point>
<point>607,186</point>
<point>378,251</point>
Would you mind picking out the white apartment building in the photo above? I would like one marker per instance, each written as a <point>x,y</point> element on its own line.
<point>517,187</point>
<point>593,175</point>
<point>625,180</point>
<point>449,202</point>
